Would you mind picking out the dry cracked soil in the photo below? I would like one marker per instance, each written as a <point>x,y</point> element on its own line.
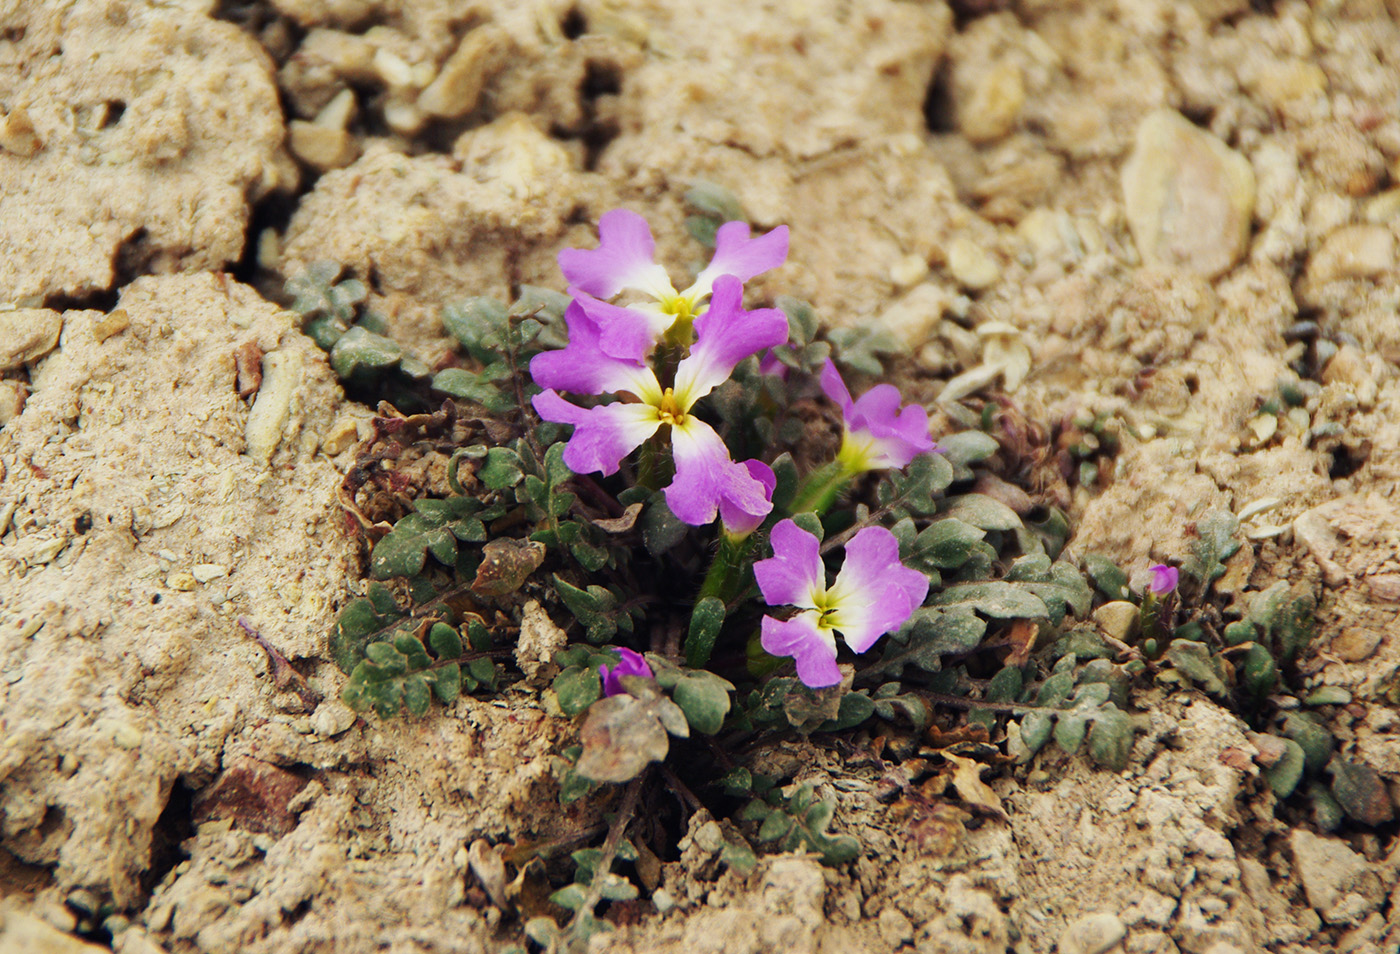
<point>1153,211</point>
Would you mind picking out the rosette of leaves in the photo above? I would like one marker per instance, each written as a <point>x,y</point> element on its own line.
<point>791,823</point>
<point>397,661</point>
<point>500,340</point>
<point>1075,706</point>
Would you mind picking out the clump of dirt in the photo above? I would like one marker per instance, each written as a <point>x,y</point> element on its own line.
<point>1183,215</point>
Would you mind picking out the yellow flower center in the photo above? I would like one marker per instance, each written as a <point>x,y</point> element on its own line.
<point>669,409</point>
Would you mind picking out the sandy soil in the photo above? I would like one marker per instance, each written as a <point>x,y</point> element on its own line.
<point>1158,211</point>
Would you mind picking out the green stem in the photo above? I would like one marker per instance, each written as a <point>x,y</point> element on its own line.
<point>728,574</point>
<point>726,568</point>
<point>821,488</point>
<point>1150,622</point>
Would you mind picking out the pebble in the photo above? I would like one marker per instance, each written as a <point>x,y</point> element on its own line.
<point>1353,251</point>
<point>908,271</point>
<point>12,395</point>
<point>1326,866</point>
<point>1354,643</point>
<point>332,718</point>
<point>914,317</point>
<point>1189,197</point>
<point>112,324</point>
<point>457,87</point>
<point>182,581</point>
<point>17,133</point>
<point>341,435</point>
<point>995,105</point>
<point>26,335</point>
<point>1117,618</point>
<point>1093,934</point>
<point>1382,208</point>
<point>282,372</point>
<point>971,265</point>
<point>23,932</point>
<point>204,572</point>
<point>321,147</point>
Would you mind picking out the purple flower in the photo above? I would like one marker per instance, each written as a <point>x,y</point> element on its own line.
<point>624,261</point>
<point>873,594</point>
<point>1164,579</point>
<point>632,664</point>
<point>878,433</point>
<point>738,521</point>
<point>706,478</point>
<point>770,363</point>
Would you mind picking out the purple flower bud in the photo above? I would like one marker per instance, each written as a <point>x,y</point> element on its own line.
<point>632,664</point>
<point>1164,579</point>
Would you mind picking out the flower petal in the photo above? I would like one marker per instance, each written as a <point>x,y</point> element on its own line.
<point>794,570</point>
<point>874,593</point>
<point>725,335</point>
<point>704,472</point>
<point>744,503</point>
<point>810,646</point>
<point>584,368</point>
<point>628,333</point>
<point>835,388</point>
<point>603,435</point>
<point>623,259</point>
<point>631,664</point>
<point>738,255</point>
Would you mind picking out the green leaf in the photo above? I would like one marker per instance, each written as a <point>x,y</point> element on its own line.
<point>416,696</point>
<point>706,619</point>
<point>501,470</point>
<point>927,636</point>
<point>854,708</point>
<point>967,447</point>
<point>1036,728</point>
<point>1316,740</point>
<point>447,682</point>
<point>594,608</point>
<point>361,618</point>
<point>578,688</point>
<point>570,896</point>
<point>704,698</point>
<point>1285,774</point>
<point>661,529</point>
<point>477,324</point>
<point>995,598</point>
<point>944,544</point>
<point>714,201</point>
<point>1111,739</point>
<point>1108,578</point>
<point>1195,661</point>
<point>470,386</point>
<point>1070,729</point>
<point>445,641</point>
<point>1215,543</point>
<point>360,356</point>
<point>983,512</point>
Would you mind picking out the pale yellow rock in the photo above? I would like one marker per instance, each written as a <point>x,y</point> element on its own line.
<point>342,434</point>
<point>12,395</point>
<point>1189,197</point>
<point>17,133</point>
<point>1280,83</point>
<point>1354,644</point>
<point>1117,619</point>
<point>971,265</point>
<point>22,933</point>
<point>282,372</point>
<point>914,317</point>
<point>321,147</point>
<point>458,86</point>
<point>994,107</point>
<point>1383,207</point>
<point>1264,427</point>
<point>181,581</point>
<point>908,271</point>
<point>351,56</point>
<point>1354,251</point>
<point>114,323</point>
<point>26,335</point>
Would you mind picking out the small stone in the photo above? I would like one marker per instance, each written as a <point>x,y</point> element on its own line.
<point>908,271</point>
<point>971,265</point>
<point>1329,870</point>
<point>1354,644</point>
<point>1384,586</point>
<point>254,795</point>
<point>282,373</point>
<point>26,335</point>
<point>1093,934</point>
<point>12,396</point>
<point>1264,427</point>
<point>914,317</point>
<point>1189,197</point>
<point>1382,208</point>
<point>17,133</point>
<point>332,718</point>
<point>895,929</point>
<point>1281,82</point>
<point>994,106</point>
<point>22,933</point>
<point>111,324</point>
<point>458,85</point>
<point>321,147</point>
<point>182,581</point>
<point>204,572</point>
<point>1117,619</point>
<point>1354,251</point>
<point>341,435</point>
<point>709,837</point>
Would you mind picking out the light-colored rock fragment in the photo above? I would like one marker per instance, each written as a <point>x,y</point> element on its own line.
<point>1355,251</point>
<point>1189,197</point>
<point>1092,934</point>
<point>1355,643</point>
<point>1317,534</point>
<point>182,580</point>
<point>26,335</point>
<point>17,133</point>
<point>1383,207</point>
<point>908,271</point>
<point>539,640</point>
<point>914,317</point>
<point>321,147</point>
<point>282,371</point>
<point>1338,882</point>
<point>994,106</point>
<point>458,86</point>
<point>114,323</point>
<point>22,933</point>
<point>332,718</point>
<point>1117,619</point>
<point>206,572</point>
<point>12,395</point>
<point>972,266</point>
<point>343,433</point>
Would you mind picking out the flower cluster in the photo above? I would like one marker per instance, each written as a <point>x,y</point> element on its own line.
<point>658,353</point>
<point>608,350</point>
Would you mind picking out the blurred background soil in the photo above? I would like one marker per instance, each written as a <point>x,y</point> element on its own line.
<point>1155,212</point>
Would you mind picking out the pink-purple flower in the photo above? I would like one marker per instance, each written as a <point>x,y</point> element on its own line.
<point>706,479</point>
<point>631,664</point>
<point>1164,579</point>
<point>738,516</point>
<point>879,433</point>
<point>873,594</point>
<point>624,261</point>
